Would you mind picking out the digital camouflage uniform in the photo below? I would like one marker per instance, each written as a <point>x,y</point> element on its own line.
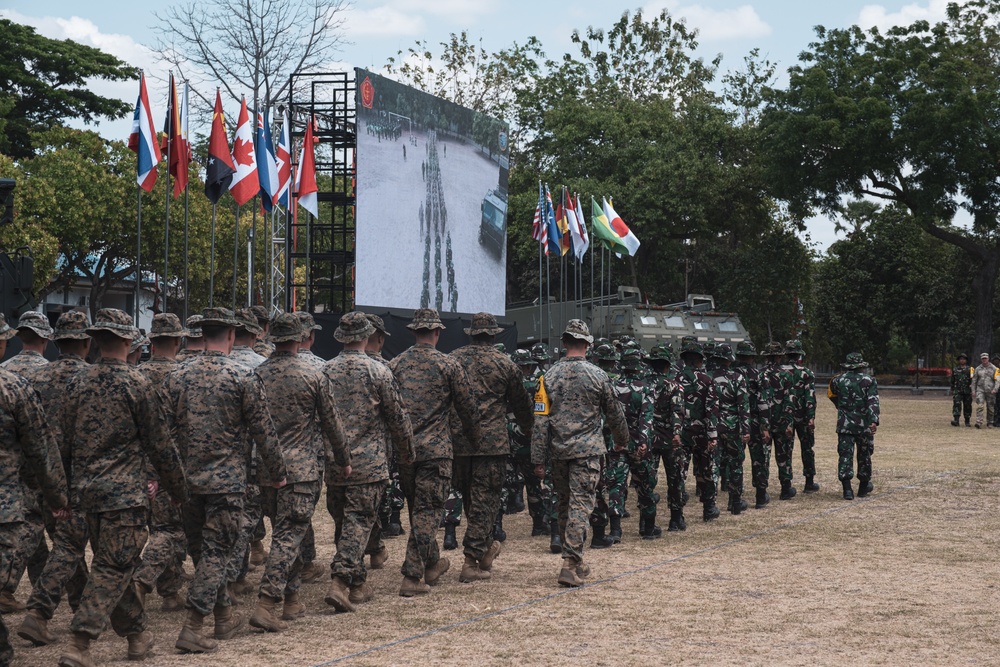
<point>668,416</point>
<point>961,391</point>
<point>776,383</point>
<point>192,331</point>
<point>804,393</point>
<point>634,390</point>
<point>113,426</point>
<point>733,425</point>
<point>580,399</point>
<point>700,433</point>
<point>760,418</point>
<point>430,384</point>
<point>855,394</point>
<point>984,387</point>
<point>392,501</point>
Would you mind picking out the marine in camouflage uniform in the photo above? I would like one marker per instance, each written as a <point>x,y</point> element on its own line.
<point>194,343</point>
<point>668,417</point>
<point>634,389</point>
<point>480,466</point>
<point>804,391</point>
<point>217,406</point>
<point>163,558</point>
<point>305,346</point>
<point>430,383</point>
<point>65,565</point>
<point>263,345</point>
<point>734,424</point>
<point>113,425</point>
<point>961,390</point>
<point>377,429</point>
<point>855,394</point>
<point>984,387</point>
<point>777,383</point>
<point>760,418</point>
<point>301,404</point>
<point>26,443</point>
<point>578,398</point>
<point>698,439</point>
<point>605,504</point>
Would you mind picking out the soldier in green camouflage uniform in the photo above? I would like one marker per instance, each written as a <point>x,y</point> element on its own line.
<point>804,391</point>
<point>608,359</point>
<point>734,424</point>
<point>378,430</point>
<point>217,407</point>
<point>698,439</point>
<point>760,416</point>
<point>26,446</point>
<point>634,389</point>
<point>431,383</point>
<point>961,390</point>
<point>668,418</point>
<point>855,394</point>
<point>777,383</point>
<point>113,424</point>
<point>567,434</point>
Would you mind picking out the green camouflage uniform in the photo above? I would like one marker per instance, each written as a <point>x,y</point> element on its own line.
<point>961,392</point>
<point>776,383</point>
<point>804,393</point>
<point>614,466</point>
<point>701,416</point>
<point>634,390</point>
<point>855,394</point>
<point>668,415</point>
<point>734,423</point>
<point>541,497</point>
<point>760,418</point>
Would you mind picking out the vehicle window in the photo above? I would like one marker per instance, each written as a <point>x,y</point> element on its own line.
<point>648,321</point>
<point>728,326</point>
<point>702,326</point>
<point>674,321</point>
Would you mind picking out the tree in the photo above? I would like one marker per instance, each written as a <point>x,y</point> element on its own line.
<point>910,117</point>
<point>45,82</point>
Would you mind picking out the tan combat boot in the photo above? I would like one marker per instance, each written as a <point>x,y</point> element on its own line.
<point>35,628</point>
<point>140,645</point>
<point>9,604</point>
<point>486,562</point>
<point>412,586</point>
<point>192,638</point>
<point>379,558</point>
<point>582,570</point>
<point>172,603</point>
<point>361,594</point>
<point>434,572</point>
<point>77,653</point>
<point>338,596</point>
<point>293,609</point>
<point>472,572</point>
<point>567,575</point>
<point>313,572</point>
<point>264,616</point>
<point>257,554</point>
<point>226,622</point>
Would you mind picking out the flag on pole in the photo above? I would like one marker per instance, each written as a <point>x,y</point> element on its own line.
<point>220,170</point>
<point>173,143</point>
<point>584,244</point>
<point>603,232</point>
<point>267,169</point>
<point>537,226</point>
<point>574,229</point>
<point>143,140</point>
<point>245,184</point>
<point>565,239</point>
<point>553,244</point>
<point>283,162</point>
<point>628,238</point>
<point>184,125</point>
<point>305,177</point>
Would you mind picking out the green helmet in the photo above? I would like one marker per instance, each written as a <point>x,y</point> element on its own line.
<point>501,347</point>
<point>523,358</point>
<point>661,352</point>
<point>540,353</point>
<point>794,347</point>
<point>746,349</point>
<point>607,353</point>
<point>724,351</point>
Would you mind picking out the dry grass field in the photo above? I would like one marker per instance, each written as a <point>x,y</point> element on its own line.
<point>908,576</point>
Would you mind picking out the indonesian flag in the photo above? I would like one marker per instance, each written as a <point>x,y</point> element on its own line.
<point>283,161</point>
<point>245,184</point>
<point>143,140</point>
<point>578,247</point>
<point>629,239</point>
<point>305,177</point>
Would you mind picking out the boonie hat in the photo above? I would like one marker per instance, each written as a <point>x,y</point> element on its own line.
<point>219,317</point>
<point>166,325</point>
<point>35,321</point>
<point>854,360</point>
<point>773,349</point>
<point>72,325</point>
<point>247,321</point>
<point>578,329</point>
<point>377,323</point>
<point>308,322</point>
<point>746,349</point>
<point>523,358</point>
<point>193,326</point>
<point>483,323</point>
<point>286,327</point>
<point>6,333</point>
<point>116,321</point>
<point>354,327</point>
<point>425,318</point>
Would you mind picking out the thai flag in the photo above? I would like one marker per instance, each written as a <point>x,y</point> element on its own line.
<point>267,170</point>
<point>143,140</point>
<point>283,161</point>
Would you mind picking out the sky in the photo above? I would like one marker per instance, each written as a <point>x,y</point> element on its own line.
<point>379,29</point>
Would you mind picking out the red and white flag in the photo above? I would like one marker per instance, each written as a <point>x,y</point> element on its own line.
<point>245,184</point>
<point>283,159</point>
<point>143,140</point>
<point>305,177</point>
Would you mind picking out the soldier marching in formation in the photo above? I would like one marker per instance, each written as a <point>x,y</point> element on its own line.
<point>185,455</point>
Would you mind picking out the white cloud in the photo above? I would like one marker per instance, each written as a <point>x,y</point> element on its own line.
<point>715,25</point>
<point>457,11</point>
<point>877,16</point>
<point>385,21</point>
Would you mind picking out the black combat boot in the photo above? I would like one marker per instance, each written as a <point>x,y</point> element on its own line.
<point>600,540</point>
<point>450,541</point>
<point>395,528</point>
<point>763,498</point>
<point>499,534</point>
<point>649,530</point>
<point>538,524</point>
<point>787,490</point>
<point>864,487</point>
<point>711,511</point>
<point>676,521</point>
<point>954,422</point>
<point>736,504</point>
<point>848,491</point>
<point>555,539</point>
<point>515,501</point>
<point>697,490</point>
<point>616,530</point>
<point>811,486</point>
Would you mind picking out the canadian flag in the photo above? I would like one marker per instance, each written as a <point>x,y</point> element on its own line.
<point>245,183</point>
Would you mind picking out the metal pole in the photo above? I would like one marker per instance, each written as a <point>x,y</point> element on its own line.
<point>138,255</point>
<point>211,265</point>
<point>166,233</point>
<point>187,289</point>
<point>236,253</point>
<point>251,256</point>
<point>541,302</point>
<point>548,300</point>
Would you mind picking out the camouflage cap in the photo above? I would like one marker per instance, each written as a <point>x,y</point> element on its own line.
<point>247,321</point>
<point>72,325</point>
<point>692,347</point>
<point>308,322</point>
<point>984,355</point>
<point>116,321</point>
<point>746,349</point>
<point>354,328</point>
<point>166,325</point>
<point>377,323</point>
<point>962,355</point>
<point>260,312</point>
<point>708,348</point>
<point>632,356</point>
<point>138,340</point>
<point>286,327</point>
<point>578,329</point>
<point>724,351</point>
<point>688,339</point>
<point>540,353</point>
<point>854,360</point>
<point>607,352</point>
<point>35,321</point>
<point>661,352</point>
<point>6,333</point>
<point>483,323</point>
<point>219,317</point>
<point>193,326</point>
<point>500,347</point>
<point>794,347</point>
<point>773,349</point>
<point>601,341</point>
<point>625,340</point>
<point>425,318</point>
<point>523,358</point>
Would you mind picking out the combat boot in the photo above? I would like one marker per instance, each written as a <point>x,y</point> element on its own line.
<point>338,596</point>
<point>954,422</point>
<point>471,571</point>
<point>140,645</point>
<point>313,572</point>
<point>736,504</point>
<point>499,534</point>
<point>675,521</point>
<point>787,490</point>
<point>811,486</point>
<point>192,638</point>
<point>264,616</point>
<point>650,531</point>
<point>616,530</point>
<point>763,498</point>
<point>568,576</point>
<point>582,570</point>
<point>450,540</point>
<point>361,593</point>
<point>711,510</point>
<point>864,487</point>
<point>538,526</point>
<point>486,562</point>
<point>848,491</point>
<point>226,622</point>
<point>412,587</point>
<point>257,554</point>
<point>379,558</point>
<point>515,500</point>
<point>555,538</point>
<point>395,528</point>
<point>35,628</point>
<point>172,603</point>
<point>434,572</point>
<point>599,540</point>
<point>967,424</point>
<point>9,604</point>
<point>78,652</point>
<point>293,608</point>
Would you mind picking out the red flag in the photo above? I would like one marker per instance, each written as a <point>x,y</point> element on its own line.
<point>305,177</point>
<point>174,145</point>
<point>220,170</point>
<point>245,184</point>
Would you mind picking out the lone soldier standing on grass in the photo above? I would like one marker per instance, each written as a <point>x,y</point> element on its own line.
<point>855,394</point>
<point>961,390</point>
<point>569,406</point>
<point>431,383</point>
<point>984,386</point>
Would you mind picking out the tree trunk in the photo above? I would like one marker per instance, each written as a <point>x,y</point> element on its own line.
<point>984,286</point>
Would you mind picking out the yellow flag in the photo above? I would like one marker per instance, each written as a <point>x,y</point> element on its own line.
<point>541,398</point>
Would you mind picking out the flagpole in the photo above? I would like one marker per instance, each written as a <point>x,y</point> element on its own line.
<point>541,302</point>
<point>211,270</point>
<point>138,254</point>
<point>548,300</point>
<point>166,233</point>
<point>187,289</point>
<point>236,253</point>
<point>608,311</point>
<point>251,257</point>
